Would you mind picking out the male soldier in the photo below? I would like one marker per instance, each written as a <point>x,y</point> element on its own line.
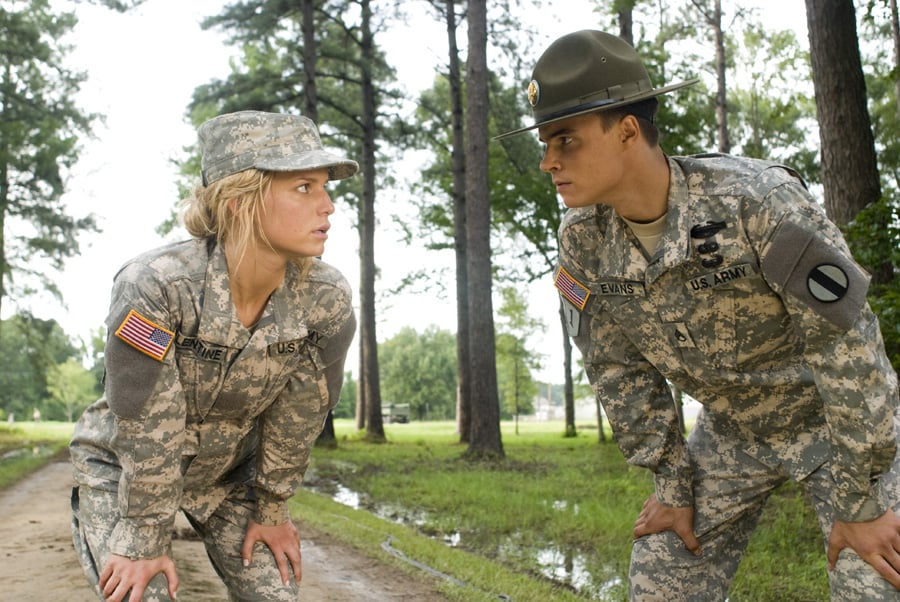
<point>723,276</point>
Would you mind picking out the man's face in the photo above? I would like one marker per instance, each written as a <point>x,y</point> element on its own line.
<point>584,160</point>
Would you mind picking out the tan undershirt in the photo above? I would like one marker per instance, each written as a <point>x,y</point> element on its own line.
<point>649,233</point>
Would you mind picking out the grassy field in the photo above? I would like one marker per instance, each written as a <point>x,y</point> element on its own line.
<point>550,523</point>
<point>26,446</point>
<point>556,512</point>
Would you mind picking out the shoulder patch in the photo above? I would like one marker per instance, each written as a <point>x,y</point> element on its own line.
<point>576,293</point>
<point>815,272</point>
<point>145,336</point>
<point>130,380</point>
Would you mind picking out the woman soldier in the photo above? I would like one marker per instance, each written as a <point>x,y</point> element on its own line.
<point>224,356</point>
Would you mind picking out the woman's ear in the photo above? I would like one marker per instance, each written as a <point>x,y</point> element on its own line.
<point>233,204</point>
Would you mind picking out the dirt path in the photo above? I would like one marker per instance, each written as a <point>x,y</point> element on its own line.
<point>37,562</point>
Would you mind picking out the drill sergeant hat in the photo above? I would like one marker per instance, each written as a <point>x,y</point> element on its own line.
<point>235,142</point>
<point>587,71</point>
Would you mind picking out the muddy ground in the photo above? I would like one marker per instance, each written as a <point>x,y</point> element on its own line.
<point>37,563</point>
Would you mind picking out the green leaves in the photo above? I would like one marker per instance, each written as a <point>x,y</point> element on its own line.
<point>40,126</point>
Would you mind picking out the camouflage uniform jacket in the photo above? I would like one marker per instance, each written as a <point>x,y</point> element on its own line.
<point>752,305</point>
<point>224,405</point>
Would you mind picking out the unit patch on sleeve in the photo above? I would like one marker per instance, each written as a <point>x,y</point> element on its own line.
<point>817,273</point>
<point>827,283</point>
<point>145,336</point>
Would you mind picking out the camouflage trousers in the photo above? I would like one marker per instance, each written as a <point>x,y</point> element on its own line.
<point>730,490</point>
<point>95,514</point>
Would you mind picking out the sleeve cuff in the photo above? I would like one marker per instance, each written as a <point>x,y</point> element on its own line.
<point>861,507</point>
<point>673,492</point>
<point>271,510</point>
<point>137,541</point>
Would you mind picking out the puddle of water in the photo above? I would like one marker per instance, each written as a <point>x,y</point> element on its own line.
<point>581,572</point>
<point>578,571</point>
<point>563,506</point>
<point>346,496</point>
<point>37,451</point>
<point>360,501</point>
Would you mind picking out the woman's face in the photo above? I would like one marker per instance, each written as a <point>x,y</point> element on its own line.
<point>295,220</point>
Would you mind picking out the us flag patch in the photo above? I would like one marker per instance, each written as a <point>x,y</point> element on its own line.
<point>145,336</point>
<point>571,289</point>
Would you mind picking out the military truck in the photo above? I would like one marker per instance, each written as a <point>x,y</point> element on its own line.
<point>395,412</point>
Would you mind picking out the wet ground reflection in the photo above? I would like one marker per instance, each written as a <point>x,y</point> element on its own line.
<point>581,572</point>
<point>37,451</point>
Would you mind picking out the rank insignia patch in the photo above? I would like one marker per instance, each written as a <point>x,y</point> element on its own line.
<point>576,293</point>
<point>145,336</point>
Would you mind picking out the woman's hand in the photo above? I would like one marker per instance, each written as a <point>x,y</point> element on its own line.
<point>656,517</point>
<point>122,575</point>
<point>283,540</point>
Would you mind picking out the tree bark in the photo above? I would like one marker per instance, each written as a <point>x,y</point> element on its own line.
<point>309,52</point>
<point>360,389</point>
<point>849,168</point>
<point>369,340</point>
<point>721,85</point>
<point>485,441</point>
<point>895,36</point>
<point>463,368</point>
<point>569,386</point>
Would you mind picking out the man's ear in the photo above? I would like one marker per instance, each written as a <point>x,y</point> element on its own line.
<point>629,129</point>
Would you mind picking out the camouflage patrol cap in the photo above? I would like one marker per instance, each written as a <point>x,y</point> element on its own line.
<point>235,142</point>
<point>587,71</point>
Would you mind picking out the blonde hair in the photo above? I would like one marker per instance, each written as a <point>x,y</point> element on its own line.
<point>210,213</point>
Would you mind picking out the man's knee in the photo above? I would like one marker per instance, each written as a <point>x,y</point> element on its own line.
<point>854,580</point>
<point>664,570</point>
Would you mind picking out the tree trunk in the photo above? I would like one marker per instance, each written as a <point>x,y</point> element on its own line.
<point>463,369</point>
<point>369,341</point>
<point>361,379</point>
<point>849,169</point>
<point>327,438</point>
<point>569,387</point>
<point>721,87</point>
<point>485,440</point>
<point>895,36</point>
<point>626,23</point>
<point>310,55</point>
<point>678,400</point>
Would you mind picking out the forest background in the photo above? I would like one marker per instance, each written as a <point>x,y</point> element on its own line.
<point>333,61</point>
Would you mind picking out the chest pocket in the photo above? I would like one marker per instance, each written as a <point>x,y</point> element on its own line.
<point>731,319</point>
<point>202,368</point>
<point>234,383</point>
<point>258,375</point>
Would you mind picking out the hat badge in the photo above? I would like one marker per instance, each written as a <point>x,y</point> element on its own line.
<point>534,92</point>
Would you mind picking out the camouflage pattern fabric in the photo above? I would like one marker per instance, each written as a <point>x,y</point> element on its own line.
<point>752,305</point>
<point>235,142</point>
<point>222,534</point>
<point>225,408</point>
<point>731,489</point>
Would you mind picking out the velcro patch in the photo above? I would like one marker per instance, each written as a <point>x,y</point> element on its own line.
<point>821,276</point>
<point>145,336</point>
<point>576,293</point>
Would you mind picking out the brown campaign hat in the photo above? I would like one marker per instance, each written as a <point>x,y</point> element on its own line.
<point>587,71</point>
<point>235,142</point>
